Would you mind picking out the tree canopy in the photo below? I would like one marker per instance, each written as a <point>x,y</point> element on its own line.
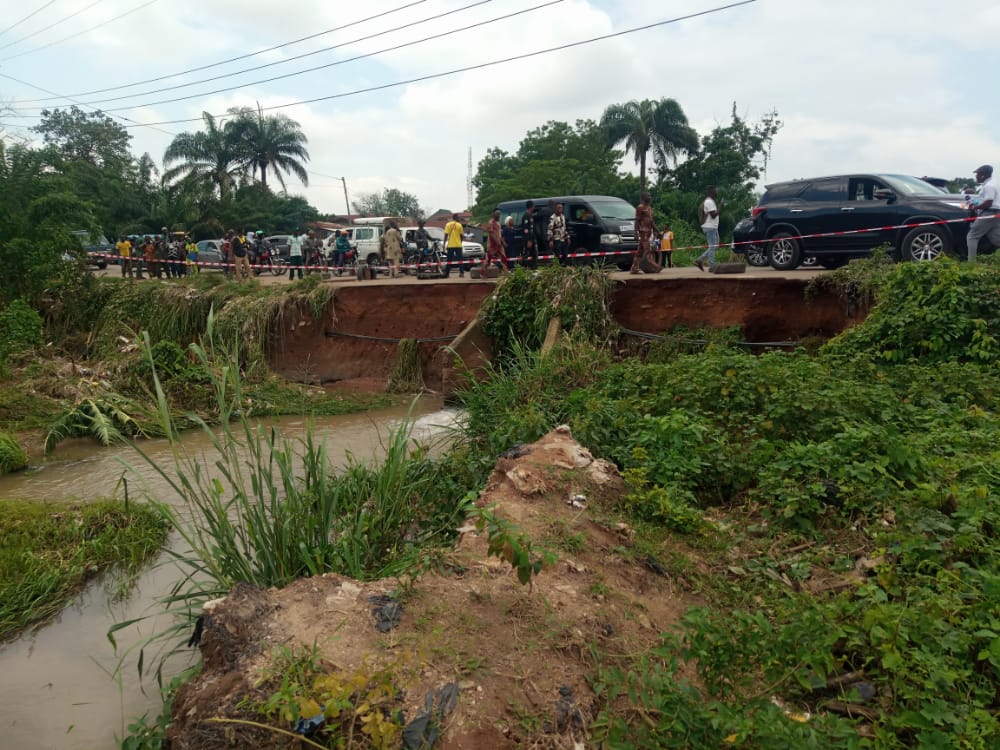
<point>657,126</point>
<point>390,202</point>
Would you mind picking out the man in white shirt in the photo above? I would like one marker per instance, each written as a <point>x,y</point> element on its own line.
<point>986,209</point>
<point>710,226</point>
<point>295,254</point>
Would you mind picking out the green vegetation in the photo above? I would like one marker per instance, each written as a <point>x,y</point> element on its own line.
<point>848,498</point>
<point>48,551</point>
<point>12,455</point>
<point>562,159</point>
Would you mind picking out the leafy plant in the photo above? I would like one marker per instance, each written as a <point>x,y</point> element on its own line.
<point>505,542</point>
<point>12,456</point>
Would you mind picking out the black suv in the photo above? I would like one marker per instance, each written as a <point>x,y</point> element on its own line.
<point>777,231</point>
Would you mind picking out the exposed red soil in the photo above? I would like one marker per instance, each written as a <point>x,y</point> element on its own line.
<point>508,647</point>
<point>345,345</point>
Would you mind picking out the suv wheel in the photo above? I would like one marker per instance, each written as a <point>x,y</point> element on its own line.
<point>756,256</point>
<point>925,243</point>
<point>784,252</point>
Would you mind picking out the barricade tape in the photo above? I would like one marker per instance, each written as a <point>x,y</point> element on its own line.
<point>285,266</point>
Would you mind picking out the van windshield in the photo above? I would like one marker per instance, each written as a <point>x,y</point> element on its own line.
<point>616,210</point>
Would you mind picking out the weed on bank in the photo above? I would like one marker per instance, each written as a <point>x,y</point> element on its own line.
<point>845,503</point>
<point>50,551</point>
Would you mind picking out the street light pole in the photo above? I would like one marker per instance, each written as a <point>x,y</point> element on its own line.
<point>346,201</point>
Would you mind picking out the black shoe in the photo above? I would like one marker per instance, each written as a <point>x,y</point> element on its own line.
<point>699,264</point>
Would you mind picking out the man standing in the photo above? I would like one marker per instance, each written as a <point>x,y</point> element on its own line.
<point>294,255</point>
<point>453,231</point>
<point>495,244</point>
<point>124,248</point>
<point>709,215</point>
<point>667,247</point>
<point>986,208</point>
<point>238,247</point>
<point>644,230</point>
<point>558,236</point>
<point>393,249</point>
<point>530,231</point>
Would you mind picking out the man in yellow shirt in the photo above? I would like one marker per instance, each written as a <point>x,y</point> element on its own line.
<point>124,248</point>
<point>667,247</point>
<point>453,233</point>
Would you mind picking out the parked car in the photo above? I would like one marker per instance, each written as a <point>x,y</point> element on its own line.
<point>779,226</point>
<point>210,251</point>
<point>596,223</point>
<point>96,246</point>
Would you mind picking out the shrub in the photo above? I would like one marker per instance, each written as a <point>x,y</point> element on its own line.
<point>12,456</point>
<point>20,329</point>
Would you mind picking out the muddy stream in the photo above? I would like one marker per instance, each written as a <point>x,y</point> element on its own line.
<point>58,689</point>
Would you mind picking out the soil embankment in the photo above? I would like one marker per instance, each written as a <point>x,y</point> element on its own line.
<point>515,659</point>
<point>354,345</point>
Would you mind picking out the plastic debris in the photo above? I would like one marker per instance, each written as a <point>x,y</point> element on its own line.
<point>425,729</point>
<point>387,611</point>
<point>577,501</point>
<point>310,725</point>
<point>516,451</point>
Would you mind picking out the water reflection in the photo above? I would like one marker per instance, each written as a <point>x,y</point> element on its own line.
<point>55,685</point>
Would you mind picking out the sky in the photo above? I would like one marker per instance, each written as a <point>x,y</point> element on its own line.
<point>896,86</point>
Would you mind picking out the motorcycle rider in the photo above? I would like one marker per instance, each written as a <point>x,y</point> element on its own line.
<point>341,249</point>
<point>986,208</point>
<point>262,252</point>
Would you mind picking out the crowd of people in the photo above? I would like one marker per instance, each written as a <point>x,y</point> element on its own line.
<point>157,255</point>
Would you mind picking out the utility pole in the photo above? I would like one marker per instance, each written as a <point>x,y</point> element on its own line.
<point>343,180</point>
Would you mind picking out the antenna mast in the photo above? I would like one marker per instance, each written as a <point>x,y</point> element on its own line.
<point>468,182</point>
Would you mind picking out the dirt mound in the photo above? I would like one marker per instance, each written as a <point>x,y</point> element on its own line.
<point>518,656</point>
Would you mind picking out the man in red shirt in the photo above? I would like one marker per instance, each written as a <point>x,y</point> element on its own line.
<point>495,244</point>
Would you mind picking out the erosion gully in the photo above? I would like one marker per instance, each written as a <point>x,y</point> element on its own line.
<point>58,686</point>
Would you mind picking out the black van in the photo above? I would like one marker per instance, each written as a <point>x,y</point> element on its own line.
<point>596,223</point>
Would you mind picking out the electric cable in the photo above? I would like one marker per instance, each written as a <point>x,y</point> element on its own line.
<point>292,59</point>
<point>132,122</point>
<point>30,15</point>
<point>79,33</point>
<point>231,59</point>
<point>51,25</point>
<point>480,66</point>
<point>331,64</point>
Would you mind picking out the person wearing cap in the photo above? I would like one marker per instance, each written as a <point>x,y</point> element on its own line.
<point>986,209</point>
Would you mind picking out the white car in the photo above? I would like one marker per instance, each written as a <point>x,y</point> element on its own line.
<point>470,250</point>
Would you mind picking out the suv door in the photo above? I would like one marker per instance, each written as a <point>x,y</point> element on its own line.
<point>585,234</point>
<point>817,211</point>
<point>862,211</point>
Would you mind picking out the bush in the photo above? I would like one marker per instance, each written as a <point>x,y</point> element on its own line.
<point>12,456</point>
<point>20,329</point>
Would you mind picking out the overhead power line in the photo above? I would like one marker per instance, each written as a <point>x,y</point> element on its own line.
<point>479,66</point>
<point>62,20</point>
<point>30,15</point>
<point>129,120</point>
<point>79,33</point>
<point>232,59</point>
<point>299,57</point>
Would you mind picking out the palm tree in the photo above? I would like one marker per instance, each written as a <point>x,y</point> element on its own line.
<point>210,155</point>
<point>275,141</point>
<point>658,125</point>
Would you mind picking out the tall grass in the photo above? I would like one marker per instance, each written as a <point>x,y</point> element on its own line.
<point>266,510</point>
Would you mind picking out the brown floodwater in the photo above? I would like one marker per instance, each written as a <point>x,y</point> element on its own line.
<point>58,686</point>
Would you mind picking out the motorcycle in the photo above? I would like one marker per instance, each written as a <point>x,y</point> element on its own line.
<point>265,261</point>
<point>426,260</point>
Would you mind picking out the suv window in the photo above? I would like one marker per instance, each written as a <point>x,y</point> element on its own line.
<point>782,191</point>
<point>824,190</point>
<point>862,188</point>
<point>364,233</point>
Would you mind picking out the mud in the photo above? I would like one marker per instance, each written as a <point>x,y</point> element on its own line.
<point>514,651</point>
<point>356,339</point>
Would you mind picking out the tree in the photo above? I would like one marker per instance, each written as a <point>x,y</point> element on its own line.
<point>554,159</point>
<point>273,142</point>
<point>660,126</point>
<point>90,137</point>
<point>211,154</point>
<point>390,202</point>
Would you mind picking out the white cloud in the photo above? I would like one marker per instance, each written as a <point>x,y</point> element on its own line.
<point>859,85</point>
